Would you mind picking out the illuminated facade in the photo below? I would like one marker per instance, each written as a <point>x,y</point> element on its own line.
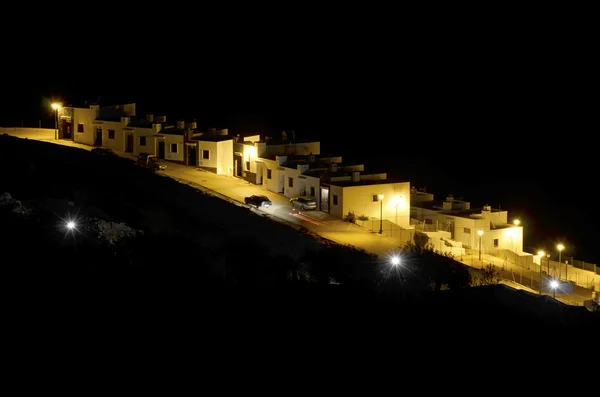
<point>464,223</point>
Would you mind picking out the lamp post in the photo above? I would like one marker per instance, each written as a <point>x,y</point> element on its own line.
<point>541,255</point>
<point>380,213</point>
<point>517,223</point>
<point>55,106</point>
<point>480,233</point>
<point>560,247</point>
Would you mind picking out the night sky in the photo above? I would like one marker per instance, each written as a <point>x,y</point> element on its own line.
<point>496,110</point>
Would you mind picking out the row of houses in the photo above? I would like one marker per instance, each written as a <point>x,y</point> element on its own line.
<point>292,167</point>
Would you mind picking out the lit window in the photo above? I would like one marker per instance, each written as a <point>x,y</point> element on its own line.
<point>173,148</point>
<point>142,141</point>
<point>79,127</point>
<point>111,134</point>
<point>205,155</point>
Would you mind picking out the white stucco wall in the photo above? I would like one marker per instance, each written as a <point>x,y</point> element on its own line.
<point>299,181</point>
<point>212,160</point>
<point>314,182</point>
<point>270,184</point>
<point>150,141</point>
<point>358,199</point>
<point>171,139</point>
<point>225,157</point>
<point>85,117</point>
<point>118,143</point>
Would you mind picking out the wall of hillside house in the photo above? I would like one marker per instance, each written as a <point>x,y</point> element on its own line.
<point>395,207</point>
<point>294,183</point>
<point>315,184</point>
<point>294,148</point>
<point>272,183</point>
<point>150,146</point>
<point>211,163</point>
<point>177,140</point>
<point>225,157</point>
<point>336,201</point>
<point>465,229</point>
<point>85,117</point>
<point>118,143</point>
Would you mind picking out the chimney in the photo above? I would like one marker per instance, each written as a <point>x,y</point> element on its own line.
<point>213,131</point>
<point>181,124</point>
<point>333,167</point>
<point>355,176</point>
<point>150,118</point>
<point>192,125</point>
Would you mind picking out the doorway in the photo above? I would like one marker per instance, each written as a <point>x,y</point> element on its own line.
<point>192,155</point>
<point>65,129</point>
<point>98,139</point>
<point>129,147</point>
<point>325,199</point>
<point>161,150</point>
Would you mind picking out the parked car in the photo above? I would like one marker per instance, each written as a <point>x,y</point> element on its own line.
<point>304,203</point>
<point>150,161</point>
<point>258,201</point>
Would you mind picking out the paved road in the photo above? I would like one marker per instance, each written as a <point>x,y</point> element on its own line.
<point>329,227</point>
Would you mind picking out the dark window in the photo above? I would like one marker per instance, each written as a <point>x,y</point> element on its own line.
<point>111,134</point>
<point>268,174</point>
<point>375,198</point>
<point>335,199</point>
<point>312,191</point>
<point>79,127</point>
<point>205,155</point>
<point>173,148</point>
<point>142,141</point>
<point>467,230</point>
<point>495,243</point>
<point>290,182</point>
<point>247,166</point>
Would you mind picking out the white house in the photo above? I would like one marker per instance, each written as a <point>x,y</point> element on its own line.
<point>486,228</point>
<point>370,196</point>
<point>170,143</point>
<point>215,153</point>
<point>111,127</point>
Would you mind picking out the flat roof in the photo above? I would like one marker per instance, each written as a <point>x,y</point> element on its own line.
<point>437,205</point>
<point>287,141</point>
<point>212,138</point>
<point>365,182</point>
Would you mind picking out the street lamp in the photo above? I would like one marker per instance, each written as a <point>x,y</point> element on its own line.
<point>480,233</point>
<point>395,261</point>
<point>554,286</point>
<point>560,247</point>
<point>55,106</point>
<point>541,255</point>
<point>380,213</point>
<point>517,223</point>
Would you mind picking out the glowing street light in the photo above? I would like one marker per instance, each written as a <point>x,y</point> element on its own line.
<point>380,213</point>
<point>554,286</point>
<point>55,106</point>
<point>395,261</point>
<point>560,247</point>
<point>480,233</point>
<point>70,225</point>
<point>541,255</point>
<point>517,222</point>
